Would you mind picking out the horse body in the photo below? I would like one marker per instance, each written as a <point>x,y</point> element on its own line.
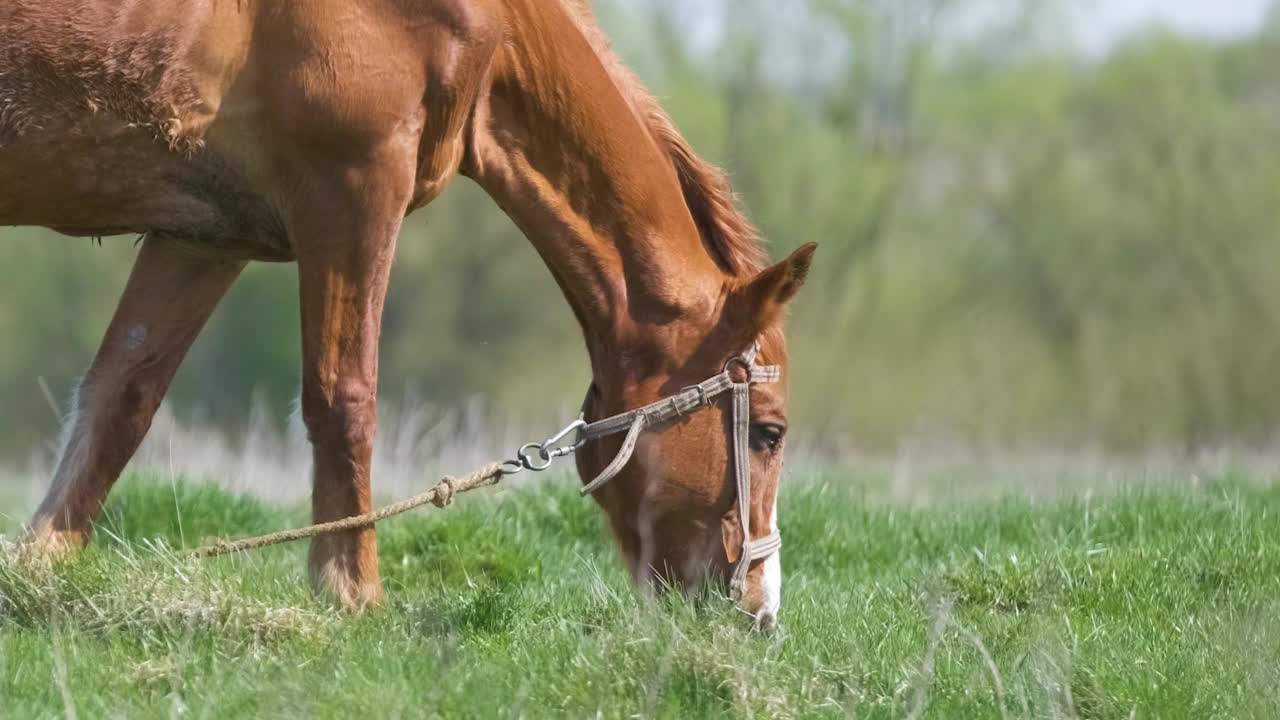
<point>128,117</point>
<point>306,131</point>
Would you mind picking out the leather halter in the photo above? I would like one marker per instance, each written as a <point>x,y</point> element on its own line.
<point>702,395</point>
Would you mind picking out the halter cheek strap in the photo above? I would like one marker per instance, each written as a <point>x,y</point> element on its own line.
<point>704,394</point>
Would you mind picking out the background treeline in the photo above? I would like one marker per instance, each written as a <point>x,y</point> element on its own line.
<point>1023,244</point>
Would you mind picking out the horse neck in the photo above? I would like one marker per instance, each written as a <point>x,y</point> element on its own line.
<point>565,154</point>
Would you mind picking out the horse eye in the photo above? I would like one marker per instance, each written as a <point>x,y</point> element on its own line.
<point>767,436</point>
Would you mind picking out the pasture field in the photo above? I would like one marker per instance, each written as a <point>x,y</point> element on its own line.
<point>1162,602</point>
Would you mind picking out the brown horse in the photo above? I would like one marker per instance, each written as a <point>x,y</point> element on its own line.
<point>237,130</point>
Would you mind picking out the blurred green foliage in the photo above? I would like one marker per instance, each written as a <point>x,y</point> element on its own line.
<point>1021,245</point>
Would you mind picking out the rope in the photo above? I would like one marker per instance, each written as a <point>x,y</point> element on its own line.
<point>633,422</point>
<point>441,495</point>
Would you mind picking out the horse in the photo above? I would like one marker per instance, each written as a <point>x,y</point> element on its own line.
<point>237,131</point>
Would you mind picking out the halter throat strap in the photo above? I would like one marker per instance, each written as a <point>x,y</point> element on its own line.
<point>702,395</point>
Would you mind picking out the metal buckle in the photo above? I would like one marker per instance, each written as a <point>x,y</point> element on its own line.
<point>704,400</point>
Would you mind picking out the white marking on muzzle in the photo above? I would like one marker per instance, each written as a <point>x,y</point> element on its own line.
<point>771,580</point>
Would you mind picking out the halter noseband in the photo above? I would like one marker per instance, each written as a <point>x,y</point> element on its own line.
<point>704,394</point>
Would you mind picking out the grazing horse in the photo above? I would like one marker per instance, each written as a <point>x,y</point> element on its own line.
<point>235,130</point>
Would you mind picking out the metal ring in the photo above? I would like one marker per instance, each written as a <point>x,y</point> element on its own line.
<point>512,467</point>
<point>740,361</point>
<point>529,461</point>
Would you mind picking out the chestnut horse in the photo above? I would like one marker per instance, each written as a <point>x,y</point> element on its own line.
<point>235,130</point>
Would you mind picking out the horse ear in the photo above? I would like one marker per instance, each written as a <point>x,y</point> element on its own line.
<point>765,296</point>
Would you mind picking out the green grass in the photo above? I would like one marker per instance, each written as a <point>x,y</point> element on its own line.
<point>1160,603</point>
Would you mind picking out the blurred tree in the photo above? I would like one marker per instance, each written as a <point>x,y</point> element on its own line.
<point>1022,244</point>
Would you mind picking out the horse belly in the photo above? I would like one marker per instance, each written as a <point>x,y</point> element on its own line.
<point>102,176</point>
<point>93,179</point>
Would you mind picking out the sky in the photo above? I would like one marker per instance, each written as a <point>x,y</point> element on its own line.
<point>1097,24</point>
<point>1101,22</point>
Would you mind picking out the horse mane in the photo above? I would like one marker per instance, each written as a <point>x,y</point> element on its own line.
<point>730,237</point>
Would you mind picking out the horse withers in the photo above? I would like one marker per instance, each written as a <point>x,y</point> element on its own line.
<point>305,132</point>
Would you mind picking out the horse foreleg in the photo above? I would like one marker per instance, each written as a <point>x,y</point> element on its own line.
<point>169,296</point>
<point>345,237</point>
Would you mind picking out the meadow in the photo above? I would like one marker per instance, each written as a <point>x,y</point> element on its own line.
<point>1024,245</point>
<point>1159,601</point>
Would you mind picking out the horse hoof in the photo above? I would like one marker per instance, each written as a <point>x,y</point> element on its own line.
<point>345,592</point>
<point>44,546</point>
